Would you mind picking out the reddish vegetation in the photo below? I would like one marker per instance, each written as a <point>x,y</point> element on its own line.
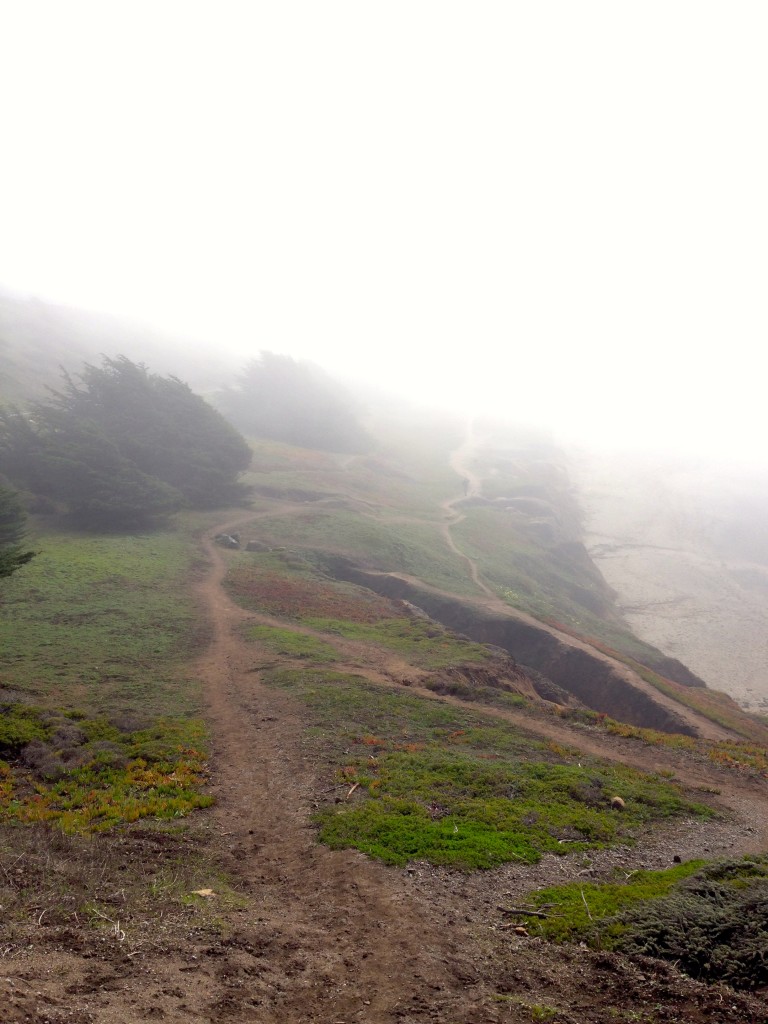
<point>294,597</point>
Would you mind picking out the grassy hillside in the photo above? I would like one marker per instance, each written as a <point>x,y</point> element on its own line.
<point>99,716</point>
<point>202,746</point>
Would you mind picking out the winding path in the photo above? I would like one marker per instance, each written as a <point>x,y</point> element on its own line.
<point>459,461</point>
<point>339,924</point>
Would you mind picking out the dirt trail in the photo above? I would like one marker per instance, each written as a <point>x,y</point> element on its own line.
<point>350,941</point>
<point>329,936</point>
<point>460,463</point>
<point>459,460</point>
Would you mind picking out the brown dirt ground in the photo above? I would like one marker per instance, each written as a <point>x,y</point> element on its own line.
<point>321,936</point>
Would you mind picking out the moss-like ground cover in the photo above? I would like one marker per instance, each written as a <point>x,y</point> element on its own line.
<point>87,774</point>
<point>458,788</point>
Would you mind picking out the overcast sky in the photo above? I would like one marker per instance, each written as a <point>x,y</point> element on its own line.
<point>559,209</point>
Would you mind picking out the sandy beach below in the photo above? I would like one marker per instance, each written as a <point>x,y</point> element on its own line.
<point>662,538</point>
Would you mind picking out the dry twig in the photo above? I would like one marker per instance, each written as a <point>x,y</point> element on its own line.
<point>584,900</point>
<point>521,911</point>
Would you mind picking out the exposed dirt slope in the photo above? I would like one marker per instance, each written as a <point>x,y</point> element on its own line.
<point>602,682</point>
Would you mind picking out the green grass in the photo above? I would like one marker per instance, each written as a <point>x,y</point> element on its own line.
<point>715,705</point>
<point>97,712</point>
<point>575,910</point>
<point>418,641</point>
<point>547,576</point>
<point>547,580</point>
<point>459,788</point>
<point>415,548</point>
<point>287,643</point>
<point>289,584</point>
<point>744,756</point>
<point>101,622</point>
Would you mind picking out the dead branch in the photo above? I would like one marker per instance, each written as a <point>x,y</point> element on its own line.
<point>522,912</point>
<point>584,899</point>
<point>352,790</point>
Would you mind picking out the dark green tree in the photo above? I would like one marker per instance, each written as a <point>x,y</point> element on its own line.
<point>279,398</point>
<point>162,427</point>
<point>12,531</point>
<point>121,448</point>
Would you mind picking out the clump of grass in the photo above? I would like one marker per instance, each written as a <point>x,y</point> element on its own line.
<point>741,756</point>
<point>86,774</point>
<point>476,693</point>
<point>457,788</point>
<point>714,925</point>
<point>19,725</point>
<point>289,644</point>
<point>710,919</point>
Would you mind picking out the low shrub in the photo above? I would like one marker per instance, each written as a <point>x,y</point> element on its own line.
<point>711,919</point>
<point>714,925</point>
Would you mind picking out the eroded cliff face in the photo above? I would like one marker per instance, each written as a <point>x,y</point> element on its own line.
<point>594,679</point>
<point>685,548</point>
